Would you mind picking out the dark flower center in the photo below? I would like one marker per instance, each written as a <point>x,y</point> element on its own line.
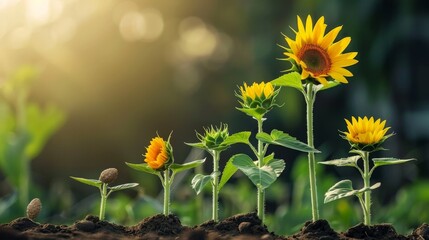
<point>316,59</point>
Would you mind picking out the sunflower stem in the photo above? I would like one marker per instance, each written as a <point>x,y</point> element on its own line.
<point>166,192</point>
<point>103,201</point>
<point>310,98</point>
<point>261,192</point>
<point>367,185</point>
<point>215,203</point>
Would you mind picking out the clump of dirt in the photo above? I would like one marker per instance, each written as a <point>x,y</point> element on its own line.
<point>159,224</point>
<point>319,229</point>
<point>379,232</point>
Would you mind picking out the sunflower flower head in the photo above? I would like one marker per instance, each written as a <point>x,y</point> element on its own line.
<point>366,133</point>
<point>213,137</point>
<point>315,54</point>
<point>159,154</point>
<point>257,99</point>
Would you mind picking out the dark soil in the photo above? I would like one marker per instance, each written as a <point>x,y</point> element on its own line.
<point>242,226</point>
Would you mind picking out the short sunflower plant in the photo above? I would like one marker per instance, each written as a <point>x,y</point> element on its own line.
<point>159,161</point>
<point>215,140</point>
<point>256,101</point>
<point>317,63</point>
<point>365,135</point>
<point>107,176</point>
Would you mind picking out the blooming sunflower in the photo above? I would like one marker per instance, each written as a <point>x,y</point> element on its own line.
<point>257,99</point>
<point>317,54</point>
<point>157,154</point>
<point>364,131</point>
<point>257,91</point>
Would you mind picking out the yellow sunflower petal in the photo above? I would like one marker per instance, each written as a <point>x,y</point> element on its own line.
<point>330,37</point>
<point>339,77</point>
<point>338,47</point>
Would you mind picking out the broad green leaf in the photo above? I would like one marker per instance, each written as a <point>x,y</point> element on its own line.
<point>343,162</point>
<point>292,79</point>
<point>142,167</point>
<point>227,173</point>
<point>280,138</point>
<point>344,189</point>
<point>240,137</point>
<point>92,182</point>
<point>263,176</point>
<point>330,84</point>
<point>341,189</point>
<point>182,167</point>
<point>200,181</point>
<point>123,186</point>
<point>390,161</point>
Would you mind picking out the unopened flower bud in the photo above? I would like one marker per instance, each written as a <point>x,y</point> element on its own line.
<point>108,175</point>
<point>34,208</point>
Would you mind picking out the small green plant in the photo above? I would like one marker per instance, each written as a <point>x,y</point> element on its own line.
<point>365,136</point>
<point>160,162</point>
<point>317,64</point>
<point>257,100</point>
<point>107,176</point>
<point>214,140</point>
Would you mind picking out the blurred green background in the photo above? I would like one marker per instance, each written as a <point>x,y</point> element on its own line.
<point>120,71</point>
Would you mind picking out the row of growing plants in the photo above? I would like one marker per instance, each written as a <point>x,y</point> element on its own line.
<point>317,64</point>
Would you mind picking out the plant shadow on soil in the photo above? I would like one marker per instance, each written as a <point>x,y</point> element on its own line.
<point>241,226</point>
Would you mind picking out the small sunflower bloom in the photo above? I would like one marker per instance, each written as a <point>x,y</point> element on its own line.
<point>158,154</point>
<point>259,98</point>
<point>365,132</point>
<point>316,54</point>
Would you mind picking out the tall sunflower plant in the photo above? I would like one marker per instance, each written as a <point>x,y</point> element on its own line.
<point>159,161</point>
<point>263,169</point>
<point>365,135</point>
<point>317,63</point>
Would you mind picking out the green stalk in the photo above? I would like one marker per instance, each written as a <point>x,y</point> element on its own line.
<point>261,192</point>
<point>310,98</point>
<point>166,192</point>
<point>215,208</point>
<point>367,185</point>
<point>103,200</point>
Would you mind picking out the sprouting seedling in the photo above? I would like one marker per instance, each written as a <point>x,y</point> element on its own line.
<point>160,162</point>
<point>365,136</point>
<point>34,208</point>
<point>318,63</point>
<point>107,176</point>
<point>257,100</point>
<point>214,140</point>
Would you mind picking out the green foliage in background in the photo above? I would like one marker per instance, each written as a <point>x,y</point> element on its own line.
<point>25,127</point>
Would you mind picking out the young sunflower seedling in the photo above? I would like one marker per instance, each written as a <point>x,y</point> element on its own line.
<point>257,100</point>
<point>107,176</point>
<point>160,162</point>
<point>214,140</point>
<point>365,136</point>
<point>317,64</point>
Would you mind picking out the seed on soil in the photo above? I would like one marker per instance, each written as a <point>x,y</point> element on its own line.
<point>34,208</point>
